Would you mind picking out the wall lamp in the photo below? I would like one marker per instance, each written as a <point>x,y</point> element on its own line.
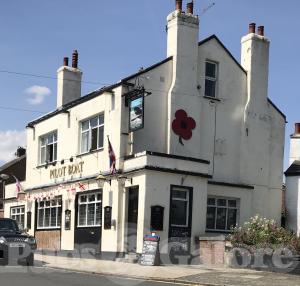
<point>102,180</point>
<point>123,179</point>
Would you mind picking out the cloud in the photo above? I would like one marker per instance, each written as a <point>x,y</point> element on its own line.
<point>10,140</point>
<point>37,94</point>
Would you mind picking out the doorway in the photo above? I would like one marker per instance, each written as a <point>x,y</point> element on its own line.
<point>181,203</point>
<point>132,218</point>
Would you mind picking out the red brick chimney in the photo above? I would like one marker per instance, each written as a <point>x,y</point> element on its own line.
<point>252,28</point>
<point>178,5</point>
<point>190,8</point>
<point>75,59</point>
<point>261,31</point>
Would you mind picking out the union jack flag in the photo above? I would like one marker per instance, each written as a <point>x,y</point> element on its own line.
<point>18,186</point>
<point>112,158</point>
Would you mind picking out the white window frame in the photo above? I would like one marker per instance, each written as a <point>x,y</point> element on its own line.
<point>86,203</point>
<point>213,79</point>
<point>237,208</point>
<point>58,205</point>
<point>89,131</point>
<point>46,144</point>
<point>14,214</point>
<point>187,199</point>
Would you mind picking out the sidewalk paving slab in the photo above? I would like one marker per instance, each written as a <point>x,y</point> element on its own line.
<point>194,275</point>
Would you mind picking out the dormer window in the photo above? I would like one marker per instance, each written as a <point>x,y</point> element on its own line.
<point>48,148</point>
<point>210,79</point>
<point>92,131</point>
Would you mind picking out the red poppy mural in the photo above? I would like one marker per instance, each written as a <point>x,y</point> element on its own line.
<point>183,125</point>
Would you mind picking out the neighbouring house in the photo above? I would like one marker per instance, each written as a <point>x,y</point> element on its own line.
<point>186,148</point>
<point>9,172</point>
<point>292,179</point>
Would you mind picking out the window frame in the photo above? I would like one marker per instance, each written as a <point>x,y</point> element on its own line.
<point>187,199</point>
<point>212,79</point>
<point>89,131</point>
<point>227,207</point>
<point>57,206</point>
<point>86,203</point>
<point>18,214</point>
<point>54,143</point>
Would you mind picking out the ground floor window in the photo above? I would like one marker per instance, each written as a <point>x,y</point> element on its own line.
<point>49,214</point>
<point>18,214</point>
<point>221,213</point>
<point>89,210</point>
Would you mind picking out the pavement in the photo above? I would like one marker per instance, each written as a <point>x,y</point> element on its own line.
<point>195,275</point>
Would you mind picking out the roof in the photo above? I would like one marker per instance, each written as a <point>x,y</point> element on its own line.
<point>238,64</point>
<point>94,94</point>
<point>293,170</point>
<point>11,163</point>
<point>226,50</point>
<point>109,88</point>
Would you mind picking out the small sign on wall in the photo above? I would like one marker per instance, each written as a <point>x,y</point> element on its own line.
<point>107,217</point>
<point>67,220</point>
<point>157,218</point>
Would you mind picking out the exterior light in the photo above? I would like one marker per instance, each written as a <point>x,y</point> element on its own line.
<point>123,179</point>
<point>4,177</point>
<point>2,240</point>
<point>101,179</point>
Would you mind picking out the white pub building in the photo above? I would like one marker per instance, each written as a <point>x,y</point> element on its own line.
<point>198,147</point>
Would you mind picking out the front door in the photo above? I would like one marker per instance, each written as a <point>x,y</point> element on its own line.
<point>181,203</point>
<point>87,235</point>
<point>132,218</point>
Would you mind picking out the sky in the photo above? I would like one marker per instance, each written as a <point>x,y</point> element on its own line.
<point>114,39</point>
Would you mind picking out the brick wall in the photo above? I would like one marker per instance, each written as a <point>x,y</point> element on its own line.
<point>212,252</point>
<point>49,240</point>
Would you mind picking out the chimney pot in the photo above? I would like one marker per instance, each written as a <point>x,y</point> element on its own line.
<point>178,4</point>
<point>66,61</point>
<point>261,30</point>
<point>75,59</point>
<point>190,8</point>
<point>297,128</point>
<point>252,28</point>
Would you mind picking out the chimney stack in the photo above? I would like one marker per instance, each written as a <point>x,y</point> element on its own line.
<point>190,8</point>
<point>68,81</point>
<point>252,28</point>
<point>255,60</point>
<point>261,31</point>
<point>66,61</point>
<point>75,59</point>
<point>178,4</point>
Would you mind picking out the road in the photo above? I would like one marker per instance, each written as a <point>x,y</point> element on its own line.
<point>41,276</point>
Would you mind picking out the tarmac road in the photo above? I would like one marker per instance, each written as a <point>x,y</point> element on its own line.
<point>40,276</point>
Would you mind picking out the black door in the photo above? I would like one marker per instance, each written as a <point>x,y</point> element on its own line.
<point>181,203</point>
<point>133,204</point>
<point>88,218</point>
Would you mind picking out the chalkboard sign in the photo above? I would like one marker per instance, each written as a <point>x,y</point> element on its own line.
<point>150,254</point>
<point>157,218</point>
<point>107,217</point>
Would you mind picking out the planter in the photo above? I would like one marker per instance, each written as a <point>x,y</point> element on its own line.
<point>275,258</point>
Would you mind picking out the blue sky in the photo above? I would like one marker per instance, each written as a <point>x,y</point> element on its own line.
<point>115,38</point>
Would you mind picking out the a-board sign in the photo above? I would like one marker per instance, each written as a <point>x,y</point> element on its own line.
<point>150,254</point>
